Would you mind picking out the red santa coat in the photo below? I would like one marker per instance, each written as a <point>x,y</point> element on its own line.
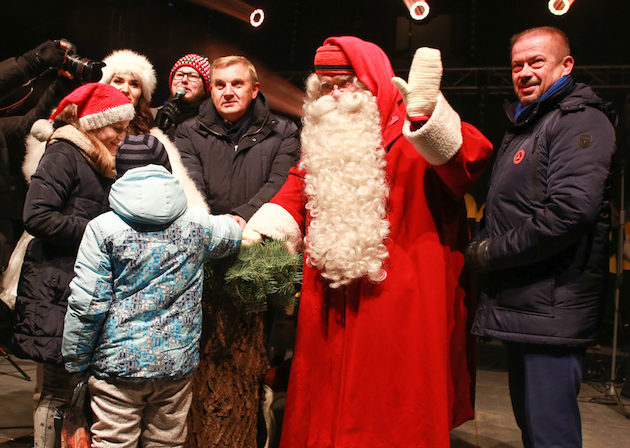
<point>390,364</point>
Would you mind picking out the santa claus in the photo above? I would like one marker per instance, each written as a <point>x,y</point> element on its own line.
<point>383,356</point>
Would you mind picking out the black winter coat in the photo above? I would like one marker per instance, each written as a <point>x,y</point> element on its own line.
<point>239,178</point>
<point>547,223</point>
<point>64,195</point>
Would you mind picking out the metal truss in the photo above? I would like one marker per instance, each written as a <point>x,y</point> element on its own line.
<point>498,80</point>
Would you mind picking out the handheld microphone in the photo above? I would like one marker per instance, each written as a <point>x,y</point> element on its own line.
<point>180,92</point>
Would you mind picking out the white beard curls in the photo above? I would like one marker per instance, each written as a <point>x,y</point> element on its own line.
<point>346,187</point>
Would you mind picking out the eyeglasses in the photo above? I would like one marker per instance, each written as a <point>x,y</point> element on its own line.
<point>342,84</point>
<point>192,76</point>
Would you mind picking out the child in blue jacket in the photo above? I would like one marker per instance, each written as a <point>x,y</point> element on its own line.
<point>134,314</point>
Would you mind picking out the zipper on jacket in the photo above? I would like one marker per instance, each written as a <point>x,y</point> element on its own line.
<point>533,167</point>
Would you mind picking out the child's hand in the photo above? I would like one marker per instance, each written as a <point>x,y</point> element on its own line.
<point>241,222</point>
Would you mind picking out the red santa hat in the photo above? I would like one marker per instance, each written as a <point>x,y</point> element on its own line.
<point>200,63</point>
<point>98,105</point>
<point>331,60</point>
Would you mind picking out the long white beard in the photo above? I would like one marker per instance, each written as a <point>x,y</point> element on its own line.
<point>346,187</point>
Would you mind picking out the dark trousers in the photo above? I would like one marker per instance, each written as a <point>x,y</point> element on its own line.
<point>544,385</point>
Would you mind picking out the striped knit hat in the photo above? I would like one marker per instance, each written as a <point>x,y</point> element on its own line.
<point>140,150</point>
<point>199,63</point>
<point>331,60</point>
<point>98,105</point>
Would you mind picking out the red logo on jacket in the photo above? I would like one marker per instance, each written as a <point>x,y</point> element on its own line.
<point>519,156</point>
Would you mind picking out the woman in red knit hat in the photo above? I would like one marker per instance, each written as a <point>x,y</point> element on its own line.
<point>68,189</point>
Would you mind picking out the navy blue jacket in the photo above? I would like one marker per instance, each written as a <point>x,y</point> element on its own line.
<point>547,223</point>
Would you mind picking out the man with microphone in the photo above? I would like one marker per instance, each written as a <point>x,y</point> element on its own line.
<point>189,82</point>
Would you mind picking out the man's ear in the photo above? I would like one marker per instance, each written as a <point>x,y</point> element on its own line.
<point>567,63</point>
<point>255,90</point>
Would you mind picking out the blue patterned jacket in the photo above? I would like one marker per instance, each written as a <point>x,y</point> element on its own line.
<point>135,307</point>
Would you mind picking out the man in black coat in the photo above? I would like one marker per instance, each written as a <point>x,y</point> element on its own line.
<point>542,247</point>
<point>236,151</point>
<point>189,83</point>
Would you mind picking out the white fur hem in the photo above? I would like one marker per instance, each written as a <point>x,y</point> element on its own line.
<point>274,221</point>
<point>193,195</point>
<point>441,137</point>
<point>11,277</point>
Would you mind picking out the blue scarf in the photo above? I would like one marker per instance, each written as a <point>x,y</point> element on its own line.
<point>560,83</point>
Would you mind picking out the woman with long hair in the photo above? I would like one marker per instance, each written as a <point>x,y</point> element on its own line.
<point>134,75</point>
<point>69,188</point>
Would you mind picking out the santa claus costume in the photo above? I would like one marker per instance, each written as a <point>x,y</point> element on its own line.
<point>383,356</point>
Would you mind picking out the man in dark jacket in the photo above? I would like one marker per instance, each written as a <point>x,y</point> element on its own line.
<point>236,151</point>
<point>543,242</point>
<point>189,83</point>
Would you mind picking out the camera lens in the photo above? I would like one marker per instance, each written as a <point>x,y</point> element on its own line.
<point>84,69</point>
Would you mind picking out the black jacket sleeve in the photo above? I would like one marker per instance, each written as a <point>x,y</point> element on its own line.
<point>51,187</point>
<point>576,179</point>
<point>191,159</point>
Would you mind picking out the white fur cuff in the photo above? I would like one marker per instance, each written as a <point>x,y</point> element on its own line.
<point>441,137</point>
<point>275,222</point>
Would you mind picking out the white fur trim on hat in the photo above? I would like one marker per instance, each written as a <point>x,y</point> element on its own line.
<point>107,117</point>
<point>441,137</point>
<point>128,61</point>
<point>275,222</point>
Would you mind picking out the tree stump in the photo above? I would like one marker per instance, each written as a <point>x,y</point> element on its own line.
<point>226,385</point>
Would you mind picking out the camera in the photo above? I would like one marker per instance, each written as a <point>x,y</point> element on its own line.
<point>83,69</point>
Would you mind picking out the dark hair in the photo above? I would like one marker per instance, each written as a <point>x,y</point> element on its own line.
<point>143,120</point>
<point>551,30</point>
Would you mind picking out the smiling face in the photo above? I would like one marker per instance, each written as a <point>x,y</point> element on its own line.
<point>190,79</point>
<point>129,85</point>
<point>232,90</point>
<point>112,135</point>
<point>538,60</point>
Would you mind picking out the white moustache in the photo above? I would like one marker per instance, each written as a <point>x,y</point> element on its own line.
<point>347,102</point>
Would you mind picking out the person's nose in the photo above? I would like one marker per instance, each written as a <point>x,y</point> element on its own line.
<point>336,92</point>
<point>124,88</point>
<point>229,91</point>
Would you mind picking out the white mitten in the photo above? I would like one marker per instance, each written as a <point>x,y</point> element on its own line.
<point>250,237</point>
<point>421,92</point>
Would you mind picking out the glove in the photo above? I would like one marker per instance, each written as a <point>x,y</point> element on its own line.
<point>46,55</point>
<point>250,237</point>
<point>421,92</point>
<point>477,254</point>
<point>167,115</point>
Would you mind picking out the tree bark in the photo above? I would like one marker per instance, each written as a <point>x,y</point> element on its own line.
<point>226,385</point>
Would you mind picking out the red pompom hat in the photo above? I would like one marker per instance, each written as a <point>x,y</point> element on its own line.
<point>98,105</point>
<point>331,60</point>
<point>199,63</point>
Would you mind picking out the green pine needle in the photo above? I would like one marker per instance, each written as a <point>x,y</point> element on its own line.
<point>258,277</point>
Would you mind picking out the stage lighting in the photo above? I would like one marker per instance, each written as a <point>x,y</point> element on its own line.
<point>257,17</point>
<point>236,8</point>
<point>560,7</point>
<point>418,9</point>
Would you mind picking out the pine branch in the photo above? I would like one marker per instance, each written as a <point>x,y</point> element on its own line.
<point>258,277</point>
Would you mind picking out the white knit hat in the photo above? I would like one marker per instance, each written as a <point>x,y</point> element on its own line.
<point>128,61</point>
